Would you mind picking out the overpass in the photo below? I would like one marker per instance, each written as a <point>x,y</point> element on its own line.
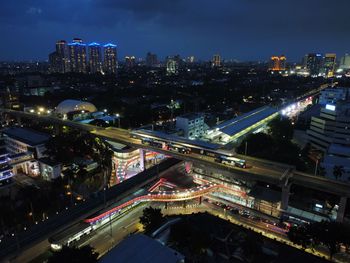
<point>257,169</point>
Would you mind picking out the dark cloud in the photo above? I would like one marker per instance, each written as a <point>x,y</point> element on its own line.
<point>246,29</point>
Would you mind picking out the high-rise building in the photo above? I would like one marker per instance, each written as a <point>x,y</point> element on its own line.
<point>190,59</point>
<point>313,63</point>
<point>110,58</point>
<point>63,58</point>
<point>345,62</point>
<point>216,61</point>
<point>278,63</point>
<point>330,133</point>
<point>328,67</point>
<point>54,62</point>
<point>172,66</point>
<point>129,62</point>
<point>77,56</point>
<point>95,58</point>
<point>151,60</point>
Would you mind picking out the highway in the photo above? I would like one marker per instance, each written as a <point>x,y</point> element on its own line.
<point>258,169</point>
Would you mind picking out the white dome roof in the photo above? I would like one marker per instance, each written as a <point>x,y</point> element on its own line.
<point>74,105</point>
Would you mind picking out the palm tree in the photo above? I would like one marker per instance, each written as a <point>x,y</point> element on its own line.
<point>338,171</point>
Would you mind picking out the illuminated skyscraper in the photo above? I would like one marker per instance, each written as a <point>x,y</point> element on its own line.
<point>278,63</point>
<point>129,62</point>
<point>77,56</point>
<point>190,59</point>
<point>62,55</point>
<point>328,67</point>
<point>110,59</point>
<point>216,61</point>
<point>313,63</point>
<point>172,66</point>
<point>95,58</point>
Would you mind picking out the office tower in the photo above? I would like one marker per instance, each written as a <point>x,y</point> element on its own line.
<point>95,58</point>
<point>313,63</point>
<point>345,62</point>
<point>77,56</point>
<point>278,63</point>
<point>129,62</point>
<point>151,60</point>
<point>330,134</point>
<point>190,59</point>
<point>172,66</point>
<point>110,58</point>
<point>63,58</point>
<point>53,62</point>
<point>328,67</point>
<point>216,61</point>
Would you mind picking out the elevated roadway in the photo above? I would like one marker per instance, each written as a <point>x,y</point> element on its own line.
<point>257,169</point>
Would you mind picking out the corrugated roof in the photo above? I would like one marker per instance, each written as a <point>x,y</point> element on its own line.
<point>244,121</point>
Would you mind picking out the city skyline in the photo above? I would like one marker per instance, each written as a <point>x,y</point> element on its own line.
<point>235,30</point>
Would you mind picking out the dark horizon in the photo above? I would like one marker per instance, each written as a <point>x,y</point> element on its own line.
<point>246,31</point>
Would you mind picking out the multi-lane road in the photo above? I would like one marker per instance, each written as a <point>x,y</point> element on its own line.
<point>258,169</point>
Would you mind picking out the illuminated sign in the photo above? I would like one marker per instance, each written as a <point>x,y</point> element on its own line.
<point>330,107</point>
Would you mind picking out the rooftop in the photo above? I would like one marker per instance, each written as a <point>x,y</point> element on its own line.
<point>246,120</point>
<point>140,248</point>
<point>190,116</point>
<point>27,136</point>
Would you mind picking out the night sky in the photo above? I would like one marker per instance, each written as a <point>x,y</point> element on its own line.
<point>236,29</point>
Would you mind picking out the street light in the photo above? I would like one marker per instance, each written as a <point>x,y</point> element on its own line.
<point>118,116</point>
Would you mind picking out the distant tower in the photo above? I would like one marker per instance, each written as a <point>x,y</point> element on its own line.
<point>62,56</point>
<point>216,61</point>
<point>345,62</point>
<point>278,63</point>
<point>110,59</point>
<point>151,60</point>
<point>129,62</point>
<point>172,66</point>
<point>328,67</point>
<point>95,58</point>
<point>77,56</point>
<point>313,63</point>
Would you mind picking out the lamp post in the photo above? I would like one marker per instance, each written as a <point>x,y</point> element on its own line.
<point>118,116</point>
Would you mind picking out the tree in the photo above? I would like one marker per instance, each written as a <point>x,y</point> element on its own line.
<point>329,234</point>
<point>338,171</point>
<point>281,129</point>
<point>299,235</point>
<point>84,254</point>
<point>151,218</point>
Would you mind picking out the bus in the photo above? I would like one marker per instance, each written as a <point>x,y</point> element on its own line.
<point>232,161</point>
<point>154,143</point>
<point>179,148</point>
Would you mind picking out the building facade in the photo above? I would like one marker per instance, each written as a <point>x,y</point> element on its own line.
<point>278,63</point>
<point>313,63</point>
<point>332,95</point>
<point>95,58</point>
<point>192,125</point>
<point>329,62</point>
<point>110,59</point>
<point>216,61</point>
<point>77,56</point>
<point>330,133</point>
